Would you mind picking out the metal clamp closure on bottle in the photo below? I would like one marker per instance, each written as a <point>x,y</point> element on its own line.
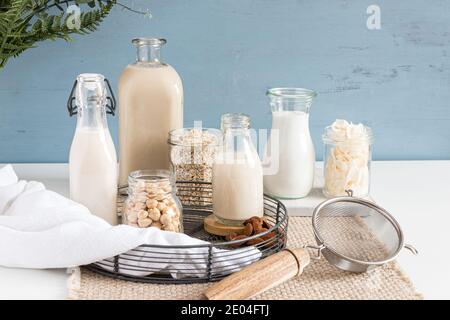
<point>110,105</point>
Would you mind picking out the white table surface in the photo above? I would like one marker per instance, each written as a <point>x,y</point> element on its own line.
<point>417,193</point>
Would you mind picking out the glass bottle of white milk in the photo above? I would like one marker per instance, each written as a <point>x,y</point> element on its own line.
<point>237,181</point>
<point>93,159</point>
<point>289,156</point>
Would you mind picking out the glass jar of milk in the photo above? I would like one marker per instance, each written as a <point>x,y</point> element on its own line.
<point>289,156</point>
<point>92,159</point>
<point>237,180</point>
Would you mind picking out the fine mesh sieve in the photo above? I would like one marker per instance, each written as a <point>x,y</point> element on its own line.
<point>353,234</point>
<point>356,234</point>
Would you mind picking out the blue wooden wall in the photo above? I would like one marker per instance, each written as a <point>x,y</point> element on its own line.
<point>229,52</point>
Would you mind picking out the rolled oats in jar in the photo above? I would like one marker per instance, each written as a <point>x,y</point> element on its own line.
<point>193,152</point>
<point>152,201</point>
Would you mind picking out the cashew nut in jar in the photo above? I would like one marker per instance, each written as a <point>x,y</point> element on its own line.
<point>152,201</point>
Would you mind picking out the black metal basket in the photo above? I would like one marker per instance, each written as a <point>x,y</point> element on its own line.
<point>209,262</point>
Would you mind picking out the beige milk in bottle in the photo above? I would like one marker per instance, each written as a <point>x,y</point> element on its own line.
<point>150,105</point>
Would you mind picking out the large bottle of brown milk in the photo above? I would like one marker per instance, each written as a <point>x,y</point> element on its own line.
<point>150,105</point>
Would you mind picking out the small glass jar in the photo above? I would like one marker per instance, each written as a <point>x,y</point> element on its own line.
<point>152,201</point>
<point>347,158</point>
<point>193,152</point>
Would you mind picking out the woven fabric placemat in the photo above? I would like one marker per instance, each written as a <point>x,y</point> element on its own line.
<point>320,280</point>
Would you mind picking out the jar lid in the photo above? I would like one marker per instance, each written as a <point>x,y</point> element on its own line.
<point>195,137</point>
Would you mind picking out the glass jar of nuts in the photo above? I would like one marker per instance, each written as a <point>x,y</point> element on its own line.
<point>152,201</point>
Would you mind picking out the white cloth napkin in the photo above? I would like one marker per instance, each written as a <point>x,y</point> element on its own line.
<point>42,229</point>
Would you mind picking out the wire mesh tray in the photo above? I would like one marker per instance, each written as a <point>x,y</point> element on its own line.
<point>209,262</point>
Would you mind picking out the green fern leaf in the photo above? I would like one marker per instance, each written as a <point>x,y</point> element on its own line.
<point>23,23</point>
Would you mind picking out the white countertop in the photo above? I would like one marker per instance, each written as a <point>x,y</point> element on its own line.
<point>417,193</point>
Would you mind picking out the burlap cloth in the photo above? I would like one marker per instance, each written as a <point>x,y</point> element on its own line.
<point>320,280</point>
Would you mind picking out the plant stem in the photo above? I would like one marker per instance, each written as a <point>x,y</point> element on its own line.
<point>130,9</point>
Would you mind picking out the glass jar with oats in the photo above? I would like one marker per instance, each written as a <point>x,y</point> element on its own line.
<point>152,201</point>
<point>193,152</point>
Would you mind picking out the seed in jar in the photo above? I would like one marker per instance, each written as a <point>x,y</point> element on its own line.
<point>157,224</point>
<point>169,202</point>
<point>176,212</point>
<point>154,214</point>
<point>160,196</point>
<point>165,219</point>
<point>142,214</point>
<point>139,206</point>
<point>144,223</point>
<point>151,191</point>
<point>132,216</point>
<point>170,227</point>
<point>169,211</point>
<point>152,203</point>
<point>161,206</point>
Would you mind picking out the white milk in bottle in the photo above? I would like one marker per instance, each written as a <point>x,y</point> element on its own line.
<point>290,157</point>
<point>92,159</point>
<point>237,174</point>
<point>150,105</point>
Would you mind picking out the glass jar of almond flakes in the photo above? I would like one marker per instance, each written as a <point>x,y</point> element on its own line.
<point>152,201</point>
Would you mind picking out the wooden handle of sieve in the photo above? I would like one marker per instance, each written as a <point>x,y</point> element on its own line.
<point>260,276</point>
